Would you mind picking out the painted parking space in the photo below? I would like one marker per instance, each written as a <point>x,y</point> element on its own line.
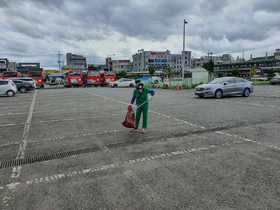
<point>190,144</point>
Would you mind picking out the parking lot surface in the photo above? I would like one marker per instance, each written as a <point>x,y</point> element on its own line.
<point>67,149</point>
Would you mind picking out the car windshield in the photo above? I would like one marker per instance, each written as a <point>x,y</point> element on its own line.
<point>217,81</point>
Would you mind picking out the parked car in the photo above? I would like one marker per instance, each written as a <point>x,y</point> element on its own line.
<point>26,79</point>
<point>225,86</point>
<point>7,87</point>
<point>22,86</point>
<point>123,83</point>
<point>275,80</point>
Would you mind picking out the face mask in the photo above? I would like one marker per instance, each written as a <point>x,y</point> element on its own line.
<point>140,89</point>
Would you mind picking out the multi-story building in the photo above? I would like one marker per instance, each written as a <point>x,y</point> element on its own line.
<point>122,65</point>
<point>143,59</point>
<point>4,64</point>
<point>177,62</point>
<point>12,66</point>
<point>76,62</point>
<point>217,59</point>
<point>245,67</point>
<point>104,68</point>
<point>160,60</point>
<point>24,68</point>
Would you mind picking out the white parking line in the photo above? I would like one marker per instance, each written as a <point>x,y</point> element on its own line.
<point>117,165</point>
<point>249,140</point>
<point>20,155</point>
<point>163,115</point>
<point>253,104</point>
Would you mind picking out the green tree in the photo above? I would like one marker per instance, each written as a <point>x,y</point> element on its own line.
<point>278,70</point>
<point>152,70</point>
<point>235,72</point>
<point>270,73</point>
<point>253,70</point>
<point>92,67</point>
<point>46,78</point>
<point>121,74</point>
<point>169,71</point>
<point>209,66</point>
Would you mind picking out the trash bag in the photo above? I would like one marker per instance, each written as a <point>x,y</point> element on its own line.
<point>129,120</point>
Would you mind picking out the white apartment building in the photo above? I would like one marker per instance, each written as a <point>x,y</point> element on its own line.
<point>122,65</point>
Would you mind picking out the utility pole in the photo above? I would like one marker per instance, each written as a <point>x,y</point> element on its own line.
<point>208,55</point>
<point>183,69</point>
<point>59,62</point>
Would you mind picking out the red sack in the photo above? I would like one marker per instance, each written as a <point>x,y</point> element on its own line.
<point>129,120</point>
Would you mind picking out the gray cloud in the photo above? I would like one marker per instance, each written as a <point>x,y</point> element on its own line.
<point>268,6</point>
<point>97,28</point>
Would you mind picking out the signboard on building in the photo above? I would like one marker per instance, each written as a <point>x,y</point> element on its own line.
<point>157,56</point>
<point>48,72</point>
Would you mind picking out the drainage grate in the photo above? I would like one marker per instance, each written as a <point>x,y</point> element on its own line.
<point>19,162</point>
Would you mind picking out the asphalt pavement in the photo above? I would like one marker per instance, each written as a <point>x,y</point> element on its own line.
<point>67,149</point>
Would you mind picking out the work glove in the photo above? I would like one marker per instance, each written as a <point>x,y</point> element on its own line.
<point>150,97</point>
<point>130,105</point>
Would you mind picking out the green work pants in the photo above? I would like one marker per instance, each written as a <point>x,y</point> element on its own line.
<point>145,111</point>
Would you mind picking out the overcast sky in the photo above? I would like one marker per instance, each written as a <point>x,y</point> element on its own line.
<point>36,30</point>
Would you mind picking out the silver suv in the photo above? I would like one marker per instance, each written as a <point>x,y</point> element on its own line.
<point>7,87</point>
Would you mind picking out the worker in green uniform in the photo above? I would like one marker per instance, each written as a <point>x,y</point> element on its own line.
<point>142,101</point>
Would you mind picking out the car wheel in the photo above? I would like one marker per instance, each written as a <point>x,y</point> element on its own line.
<point>200,96</point>
<point>23,90</point>
<point>273,83</point>
<point>246,92</point>
<point>115,85</point>
<point>131,85</point>
<point>218,94</point>
<point>10,93</point>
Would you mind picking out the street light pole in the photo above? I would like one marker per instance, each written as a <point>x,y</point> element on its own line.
<point>183,69</point>
<point>109,56</point>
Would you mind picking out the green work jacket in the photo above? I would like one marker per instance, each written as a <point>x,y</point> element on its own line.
<point>142,97</point>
